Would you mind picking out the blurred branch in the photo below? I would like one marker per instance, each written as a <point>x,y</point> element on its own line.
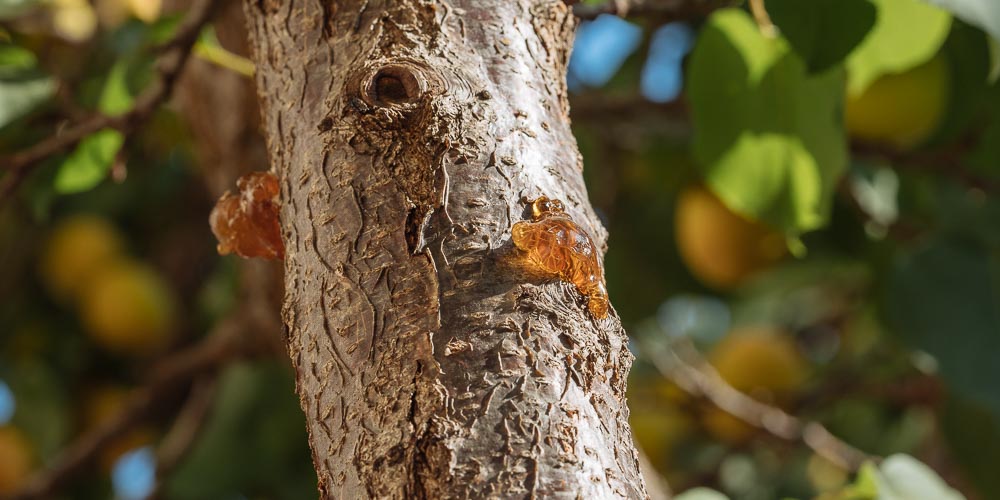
<point>763,20</point>
<point>673,119</point>
<point>684,365</point>
<point>903,229</point>
<point>168,66</point>
<point>226,342</point>
<point>185,430</point>
<point>944,161</point>
<point>223,58</point>
<point>656,485</point>
<point>671,10</point>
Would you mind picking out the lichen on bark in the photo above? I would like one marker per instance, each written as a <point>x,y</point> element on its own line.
<point>408,137</point>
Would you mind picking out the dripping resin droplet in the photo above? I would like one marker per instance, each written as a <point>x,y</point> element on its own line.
<point>246,223</point>
<point>558,246</point>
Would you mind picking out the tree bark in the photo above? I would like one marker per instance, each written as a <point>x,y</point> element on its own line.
<point>408,137</point>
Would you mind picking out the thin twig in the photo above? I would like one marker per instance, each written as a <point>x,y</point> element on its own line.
<point>673,119</point>
<point>763,20</point>
<point>656,485</point>
<point>187,426</point>
<point>945,161</point>
<point>682,364</point>
<point>168,67</point>
<point>223,344</point>
<point>666,10</point>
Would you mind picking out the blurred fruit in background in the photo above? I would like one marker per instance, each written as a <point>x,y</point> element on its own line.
<point>16,459</point>
<point>146,10</point>
<point>721,248</point>
<point>77,247</point>
<point>900,110</point>
<point>73,20</point>
<point>102,404</point>
<point>761,362</point>
<point>127,308</point>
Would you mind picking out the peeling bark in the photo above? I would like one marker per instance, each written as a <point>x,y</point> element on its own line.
<point>408,137</point>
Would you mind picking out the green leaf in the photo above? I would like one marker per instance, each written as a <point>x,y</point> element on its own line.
<point>898,477</point>
<point>967,53</point>
<point>22,85</point>
<point>907,33</point>
<point>822,32</point>
<point>768,137</point>
<point>89,163</point>
<point>902,477</point>
<point>982,13</point>
<point>701,493</point>
<point>944,298</point>
<point>116,96</point>
<point>865,487</point>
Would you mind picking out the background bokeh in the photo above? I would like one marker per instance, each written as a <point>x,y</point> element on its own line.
<point>802,201</point>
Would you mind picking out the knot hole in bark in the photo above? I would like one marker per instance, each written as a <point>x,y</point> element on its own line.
<point>394,85</point>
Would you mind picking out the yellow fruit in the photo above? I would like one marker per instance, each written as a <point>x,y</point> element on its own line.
<point>900,110</point>
<point>720,247</point>
<point>759,362</point>
<point>74,20</point>
<point>146,10</point>
<point>16,459</point>
<point>77,247</point>
<point>103,404</point>
<point>127,309</point>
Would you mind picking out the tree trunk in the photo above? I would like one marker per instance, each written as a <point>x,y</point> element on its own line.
<point>408,137</point>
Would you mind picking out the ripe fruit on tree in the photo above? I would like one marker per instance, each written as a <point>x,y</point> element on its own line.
<point>721,248</point>
<point>128,309</point>
<point>16,459</point>
<point>761,362</point>
<point>900,110</point>
<point>76,248</point>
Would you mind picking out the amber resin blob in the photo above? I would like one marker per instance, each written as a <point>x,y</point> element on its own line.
<point>246,223</point>
<point>556,245</point>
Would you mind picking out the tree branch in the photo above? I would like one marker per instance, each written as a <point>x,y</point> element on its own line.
<point>682,364</point>
<point>945,161</point>
<point>667,10</point>
<point>673,119</point>
<point>168,67</point>
<point>185,430</point>
<point>223,344</point>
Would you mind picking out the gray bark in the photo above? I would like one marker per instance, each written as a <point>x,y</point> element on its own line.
<point>408,136</point>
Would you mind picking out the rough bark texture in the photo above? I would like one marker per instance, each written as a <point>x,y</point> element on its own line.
<point>408,136</point>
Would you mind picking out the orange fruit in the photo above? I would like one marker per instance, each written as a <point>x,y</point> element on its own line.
<point>901,110</point>
<point>721,248</point>
<point>76,248</point>
<point>128,309</point>
<point>16,459</point>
